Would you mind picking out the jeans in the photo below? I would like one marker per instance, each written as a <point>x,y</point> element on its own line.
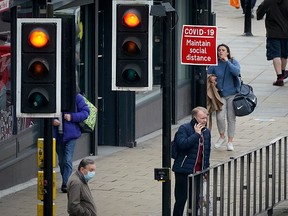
<point>181,184</point>
<point>65,151</point>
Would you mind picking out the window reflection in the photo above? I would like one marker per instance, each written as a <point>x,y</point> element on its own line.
<point>6,119</point>
<point>5,89</point>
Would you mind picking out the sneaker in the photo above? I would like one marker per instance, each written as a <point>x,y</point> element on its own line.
<point>220,142</point>
<point>64,188</point>
<point>230,146</point>
<point>278,82</point>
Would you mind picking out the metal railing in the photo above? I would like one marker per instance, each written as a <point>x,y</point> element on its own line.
<point>249,184</point>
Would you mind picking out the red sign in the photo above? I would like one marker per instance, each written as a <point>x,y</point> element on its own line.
<point>4,5</point>
<point>198,45</point>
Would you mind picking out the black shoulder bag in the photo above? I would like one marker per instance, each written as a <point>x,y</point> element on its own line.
<point>245,100</point>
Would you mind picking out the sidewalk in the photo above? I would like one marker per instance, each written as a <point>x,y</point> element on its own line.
<point>124,184</point>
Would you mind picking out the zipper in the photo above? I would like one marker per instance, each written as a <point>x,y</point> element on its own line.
<point>183,160</point>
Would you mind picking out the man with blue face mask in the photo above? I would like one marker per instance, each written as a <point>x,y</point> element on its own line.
<point>80,200</point>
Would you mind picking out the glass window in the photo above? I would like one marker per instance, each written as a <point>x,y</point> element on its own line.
<point>5,79</point>
<point>5,88</point>
<point>6,120</point>
<point>182,71</point>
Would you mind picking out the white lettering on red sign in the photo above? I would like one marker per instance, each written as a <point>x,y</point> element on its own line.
<point>4,5</point>
<point>199,45</point>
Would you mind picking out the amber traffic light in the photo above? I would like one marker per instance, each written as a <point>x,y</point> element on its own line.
<point>131,18</point>
<point>131,69</point>
<point>38,38</point>
<point>38,63</point>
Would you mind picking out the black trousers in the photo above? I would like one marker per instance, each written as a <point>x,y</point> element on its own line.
<point>181,191</point>
<point>243,3</point>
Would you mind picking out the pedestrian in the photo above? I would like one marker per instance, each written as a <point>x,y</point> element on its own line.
<point>193,144</point>
<point>66,132</point>
<point>227,73</point>
<point>243,6</point>
<point>276,23</point>
<point>80,199</point>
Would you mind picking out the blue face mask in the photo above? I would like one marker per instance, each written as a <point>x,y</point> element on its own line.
<point>89,176</point>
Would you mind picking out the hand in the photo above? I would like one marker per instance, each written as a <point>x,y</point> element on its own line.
<point>198,127</point>
<point>56,122</point>
<point>67,117</point>
<point>212,79</point>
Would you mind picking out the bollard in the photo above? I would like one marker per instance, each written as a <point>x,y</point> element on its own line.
<point>247,20</point>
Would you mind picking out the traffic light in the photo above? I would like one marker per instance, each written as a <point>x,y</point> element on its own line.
<point>38,90</point>
<point>131,46</point>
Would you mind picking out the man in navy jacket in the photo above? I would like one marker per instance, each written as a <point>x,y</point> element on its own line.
<point>193,144</point>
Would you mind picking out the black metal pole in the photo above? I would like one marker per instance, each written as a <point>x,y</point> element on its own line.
<point>48,150</point>
<point>247,22</point>
<point>166,106</point>
<point>13,38</point>
<point>48,168</point>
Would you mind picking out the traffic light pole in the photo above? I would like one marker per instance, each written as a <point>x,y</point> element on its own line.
<point>166,115</point>
<point>48,167</point>
<point>48,151</point>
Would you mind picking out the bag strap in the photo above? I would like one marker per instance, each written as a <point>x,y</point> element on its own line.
<point>224,77</point>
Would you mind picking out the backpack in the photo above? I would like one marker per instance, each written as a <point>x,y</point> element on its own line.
<point>88,125</point>
<point>174,149</point>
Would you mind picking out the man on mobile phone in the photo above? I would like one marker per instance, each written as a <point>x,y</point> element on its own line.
<point>193,142</point>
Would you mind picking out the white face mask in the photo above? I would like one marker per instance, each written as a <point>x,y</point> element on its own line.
<point>89,175</point>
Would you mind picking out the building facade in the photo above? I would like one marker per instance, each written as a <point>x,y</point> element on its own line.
<point>122,116</point>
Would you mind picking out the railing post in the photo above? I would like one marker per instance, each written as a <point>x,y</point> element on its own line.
<point>260,178</point>
<point>215,183</point>
<point>279,170</point>
<point>267,153</point>
<point>285,167</point>
<point>222,183</point>
<point>241,186</point>
<point>235,186</point>
<point>192,199</point>
<point>273,173</point>
<point>248,184</point>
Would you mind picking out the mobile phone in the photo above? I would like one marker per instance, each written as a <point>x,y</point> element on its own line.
<point>204,128</point>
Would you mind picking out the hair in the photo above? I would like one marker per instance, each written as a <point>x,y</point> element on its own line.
<point>196,110</point>
<point>84,162</point>
<point>228,50</point>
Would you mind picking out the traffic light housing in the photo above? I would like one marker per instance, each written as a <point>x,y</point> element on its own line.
<point>38,82</point>
<point>131,46</point>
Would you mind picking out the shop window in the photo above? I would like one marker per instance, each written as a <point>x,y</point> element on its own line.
<point>5,89</point>
<point>6,118</point>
